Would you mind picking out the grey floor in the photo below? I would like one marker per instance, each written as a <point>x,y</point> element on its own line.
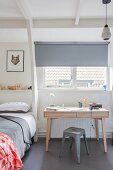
<point>37,159</point>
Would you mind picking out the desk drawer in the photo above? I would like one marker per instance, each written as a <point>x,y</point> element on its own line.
<point>68,115</point>
<point>60,115</point>
<point>83,115</point>
<point>100,114</point>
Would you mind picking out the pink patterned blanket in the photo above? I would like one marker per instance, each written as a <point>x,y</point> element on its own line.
<point>9,157</point>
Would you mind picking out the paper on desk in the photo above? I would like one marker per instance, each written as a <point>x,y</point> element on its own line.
<point>52,108</point>
<point>74,108</point>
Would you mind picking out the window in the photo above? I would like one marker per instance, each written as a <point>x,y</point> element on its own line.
<point>91,77</point>
<point>84,77</point>
<point>58,76</point>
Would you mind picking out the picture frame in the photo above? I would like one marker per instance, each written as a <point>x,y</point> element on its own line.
<point>15,61</point>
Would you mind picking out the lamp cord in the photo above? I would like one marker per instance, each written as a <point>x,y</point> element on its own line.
<point>106,12</point>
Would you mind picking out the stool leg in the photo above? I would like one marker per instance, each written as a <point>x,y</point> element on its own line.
<point>86,144</point>
<point>71,142</point>
<point>77,145</point>
<point>62,145</point>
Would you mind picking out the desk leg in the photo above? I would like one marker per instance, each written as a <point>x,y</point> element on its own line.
<point>97,129</point>
<point>50,129</point>
<point>104,134</point>
<point>48,132</point>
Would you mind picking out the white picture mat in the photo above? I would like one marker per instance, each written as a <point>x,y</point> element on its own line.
<point>20,66</point>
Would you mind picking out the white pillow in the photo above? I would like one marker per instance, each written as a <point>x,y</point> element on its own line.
<point>14,107</point>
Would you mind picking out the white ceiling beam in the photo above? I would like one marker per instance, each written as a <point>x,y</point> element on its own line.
<point>70,23</point>
<point>56,23</point>
<point>77,16</point>
<point>33,71</point>
<point>12,23</point>
<point>26,12</point>
<point>29,26</point>
<point>24,8</point>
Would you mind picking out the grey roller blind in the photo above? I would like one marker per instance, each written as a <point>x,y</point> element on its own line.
<point>71,54</point>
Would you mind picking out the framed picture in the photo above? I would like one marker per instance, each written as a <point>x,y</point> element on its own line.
<point>15,61</point>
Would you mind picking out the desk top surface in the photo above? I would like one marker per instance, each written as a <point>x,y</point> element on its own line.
<point>73,109</point>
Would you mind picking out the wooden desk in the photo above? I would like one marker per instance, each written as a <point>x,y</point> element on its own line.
<point>68,112</point>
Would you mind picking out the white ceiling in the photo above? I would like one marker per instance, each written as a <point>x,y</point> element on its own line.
<point>9,9</point>
<point>56,9</point>
<point>53,9</point>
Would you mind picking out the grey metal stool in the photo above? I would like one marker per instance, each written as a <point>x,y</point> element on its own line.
<point>74,134</point>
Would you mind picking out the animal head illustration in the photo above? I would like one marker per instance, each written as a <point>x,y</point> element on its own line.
<point>15,59</point>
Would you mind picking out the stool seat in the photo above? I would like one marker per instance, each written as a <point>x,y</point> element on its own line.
<point>74,134</point>
<point>74,130</point>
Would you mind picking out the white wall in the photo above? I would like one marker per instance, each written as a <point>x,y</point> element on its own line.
<point>67,97</point>
<point>70,97</point>
<point>9,78</point>
<point>12,78</point>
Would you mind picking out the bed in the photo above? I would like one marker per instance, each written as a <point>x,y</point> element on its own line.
<point>17,128</point>
<point>21,127</point>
